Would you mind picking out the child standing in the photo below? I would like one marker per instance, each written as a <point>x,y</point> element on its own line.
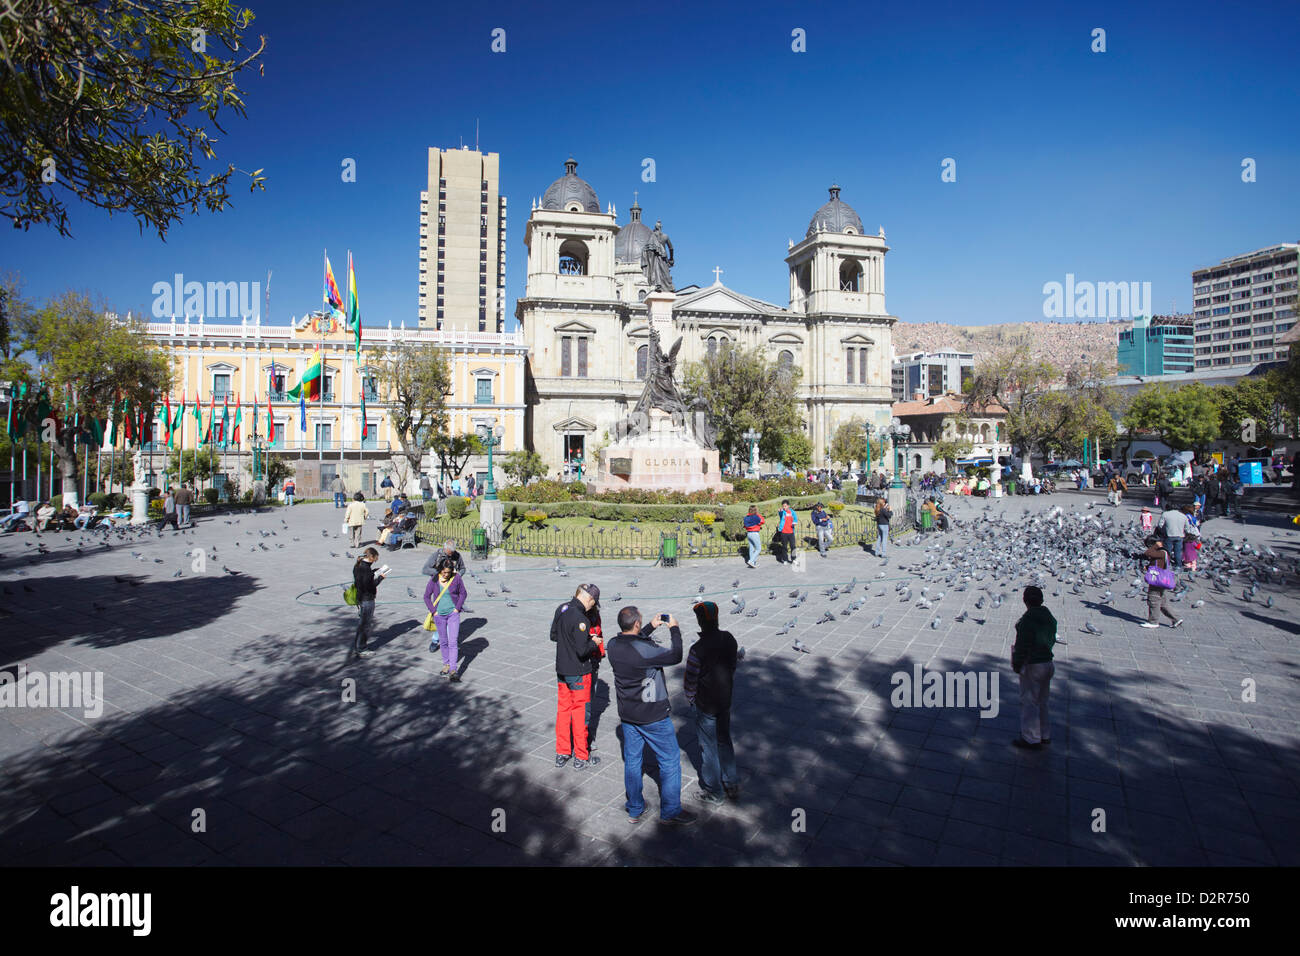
<point>1146,520</point>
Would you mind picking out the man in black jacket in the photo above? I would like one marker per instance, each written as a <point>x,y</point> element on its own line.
<point>710,672</point>
<point>367,585</point>
<point>575,651</point>
<point>642,693</point>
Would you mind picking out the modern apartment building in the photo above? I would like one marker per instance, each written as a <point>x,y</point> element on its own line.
<point>930,373</point>
<point>463,243</point>
<point>1156,345</point>
<point>1243,305</point>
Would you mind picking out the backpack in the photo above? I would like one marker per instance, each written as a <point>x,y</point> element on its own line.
<point>350,595</point>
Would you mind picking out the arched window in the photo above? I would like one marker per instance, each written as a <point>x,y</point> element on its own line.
<point>917,462</point>
<point>850,276</point>
<point>573,257</point>
<point>642,362</point>
<point>785,362</point>
<point>712,345</point>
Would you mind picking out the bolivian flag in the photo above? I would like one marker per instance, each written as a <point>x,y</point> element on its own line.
<point>308,386</point>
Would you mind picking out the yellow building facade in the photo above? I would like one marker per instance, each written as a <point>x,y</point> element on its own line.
<point>251,362</point>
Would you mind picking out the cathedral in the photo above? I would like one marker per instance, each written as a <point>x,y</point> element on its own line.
<point>585,322</point>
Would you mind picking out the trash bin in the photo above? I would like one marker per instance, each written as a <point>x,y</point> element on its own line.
<point>480,548</point>
<point>668,550</point>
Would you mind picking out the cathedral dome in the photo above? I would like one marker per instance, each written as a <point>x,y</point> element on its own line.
<point>836,216</point>
<point>631,239</point>
<point>569,190</point>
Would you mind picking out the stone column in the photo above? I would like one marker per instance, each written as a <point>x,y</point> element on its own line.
<point>659,312</point>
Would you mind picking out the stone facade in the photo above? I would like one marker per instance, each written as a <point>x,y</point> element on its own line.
<point>585,322</point>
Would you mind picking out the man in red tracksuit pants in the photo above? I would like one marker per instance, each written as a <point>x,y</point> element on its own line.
<point>577,649</point>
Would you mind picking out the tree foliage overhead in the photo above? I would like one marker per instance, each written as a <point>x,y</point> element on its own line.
<point>115,102</point>
<point>1259,399</point>
<point>454,451</point>
<point>1048,408</point>
<point>417,378</point>
<point>744,390</point>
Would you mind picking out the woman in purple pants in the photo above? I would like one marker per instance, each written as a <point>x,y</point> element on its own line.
<point>444,596</point>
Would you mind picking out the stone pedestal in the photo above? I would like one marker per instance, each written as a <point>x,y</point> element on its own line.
<point>139,505</point>
<point>491,517</point>
<point>663,459</point>
<point>659,313</point>
<point>259,493</point>
<point>897,498</point>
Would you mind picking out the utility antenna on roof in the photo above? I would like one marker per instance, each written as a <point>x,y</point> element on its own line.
<point>476,134</point>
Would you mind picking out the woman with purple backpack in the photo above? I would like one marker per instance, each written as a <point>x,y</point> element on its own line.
<point>1160,580</point>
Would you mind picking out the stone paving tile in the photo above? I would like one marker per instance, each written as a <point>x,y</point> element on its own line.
<point>227,693</point>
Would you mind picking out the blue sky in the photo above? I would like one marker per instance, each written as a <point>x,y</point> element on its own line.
<point>1115,166</point>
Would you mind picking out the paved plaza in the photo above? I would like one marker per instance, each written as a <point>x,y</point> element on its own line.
<point>228,711</point>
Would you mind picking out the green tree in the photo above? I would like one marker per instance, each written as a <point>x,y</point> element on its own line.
<point>98,102</point>
<point>197,462</point>
<point>849,443</point>
<point>523,466</point>
<point>1259,399</point>
<point>948,450</point>
<point>796,450</point>
<point>743,390</point>
<point>454,451</point>
<point>277,470</point>
<point>417,380</point>
<point>1183,418</point>
<point>87,360</point>
<point>1048,408</point>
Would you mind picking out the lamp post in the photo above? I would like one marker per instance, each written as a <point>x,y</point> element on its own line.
<point>752,437</point>
<point>898,433</point>
<point>870,430</point>
<point>492,439</point>
<point>259,460</point>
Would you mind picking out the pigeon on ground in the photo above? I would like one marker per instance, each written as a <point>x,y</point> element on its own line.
<point>1198,604</point>
<point>826,618</point>
<point>752,612</point>
<point>1089,629</point>
<point>801,647</point>
<point>880,619</point>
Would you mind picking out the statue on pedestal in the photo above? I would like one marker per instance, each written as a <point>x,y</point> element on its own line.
<point>657,260</point>
<point>660,391</point>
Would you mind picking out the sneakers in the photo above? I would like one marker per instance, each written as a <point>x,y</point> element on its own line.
<point>1177,623</point>
<point>454,677</point>
<point>561,759</point>
<point>709,797</point>
<point>1149,624</point>
<point>591,760</point>
<point>634,820</point>
<point>683,819</point>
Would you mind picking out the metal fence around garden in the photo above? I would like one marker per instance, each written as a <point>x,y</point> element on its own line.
<point>693,541</point>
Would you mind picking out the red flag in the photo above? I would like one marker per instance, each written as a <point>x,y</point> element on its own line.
<point>167,422</point>
<point>239,417</point>
<point>270,421</point>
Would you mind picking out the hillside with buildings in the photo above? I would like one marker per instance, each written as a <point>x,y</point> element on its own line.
<point>1063,343</point>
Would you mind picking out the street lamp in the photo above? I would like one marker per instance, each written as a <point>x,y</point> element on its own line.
<point>753,437</point>
<point>259,460</point>
<point>898,433</point>
<point>492,439</point>
<point>870,430</point>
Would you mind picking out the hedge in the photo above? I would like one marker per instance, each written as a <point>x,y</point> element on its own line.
<point>733,515</point>
<point>746,490</point>
<point>457,506</point>
<point>607,511</point>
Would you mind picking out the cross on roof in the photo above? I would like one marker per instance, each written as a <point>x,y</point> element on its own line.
<point>716,273</point>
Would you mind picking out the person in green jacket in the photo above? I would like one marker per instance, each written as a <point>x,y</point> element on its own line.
<point>1031,658</point>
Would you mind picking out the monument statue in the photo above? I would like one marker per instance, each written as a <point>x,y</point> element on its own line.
<point>660,391</point>
<point>657,260</point>
<point>137,469</point>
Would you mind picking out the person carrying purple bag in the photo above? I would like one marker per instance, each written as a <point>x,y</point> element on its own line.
<point>444,596</point>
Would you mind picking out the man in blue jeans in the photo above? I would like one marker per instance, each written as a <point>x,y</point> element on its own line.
<point>710,673</point>
<point>642,694</point>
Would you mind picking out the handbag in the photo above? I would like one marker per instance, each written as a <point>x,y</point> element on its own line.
<point>1158,577</point>
<point>345,528</point>
<point>429,625</point>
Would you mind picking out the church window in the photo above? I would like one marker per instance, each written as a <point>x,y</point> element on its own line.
<point>848,365</point>
<point>785,361</point>
<point>712,346</point>
<point>582,357</point>
<point>642,361</point>
<point>862,366</point>
<point>850,276</point>
<point>573,258</point>
<point>566,361</point>
<point>804,279</point>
